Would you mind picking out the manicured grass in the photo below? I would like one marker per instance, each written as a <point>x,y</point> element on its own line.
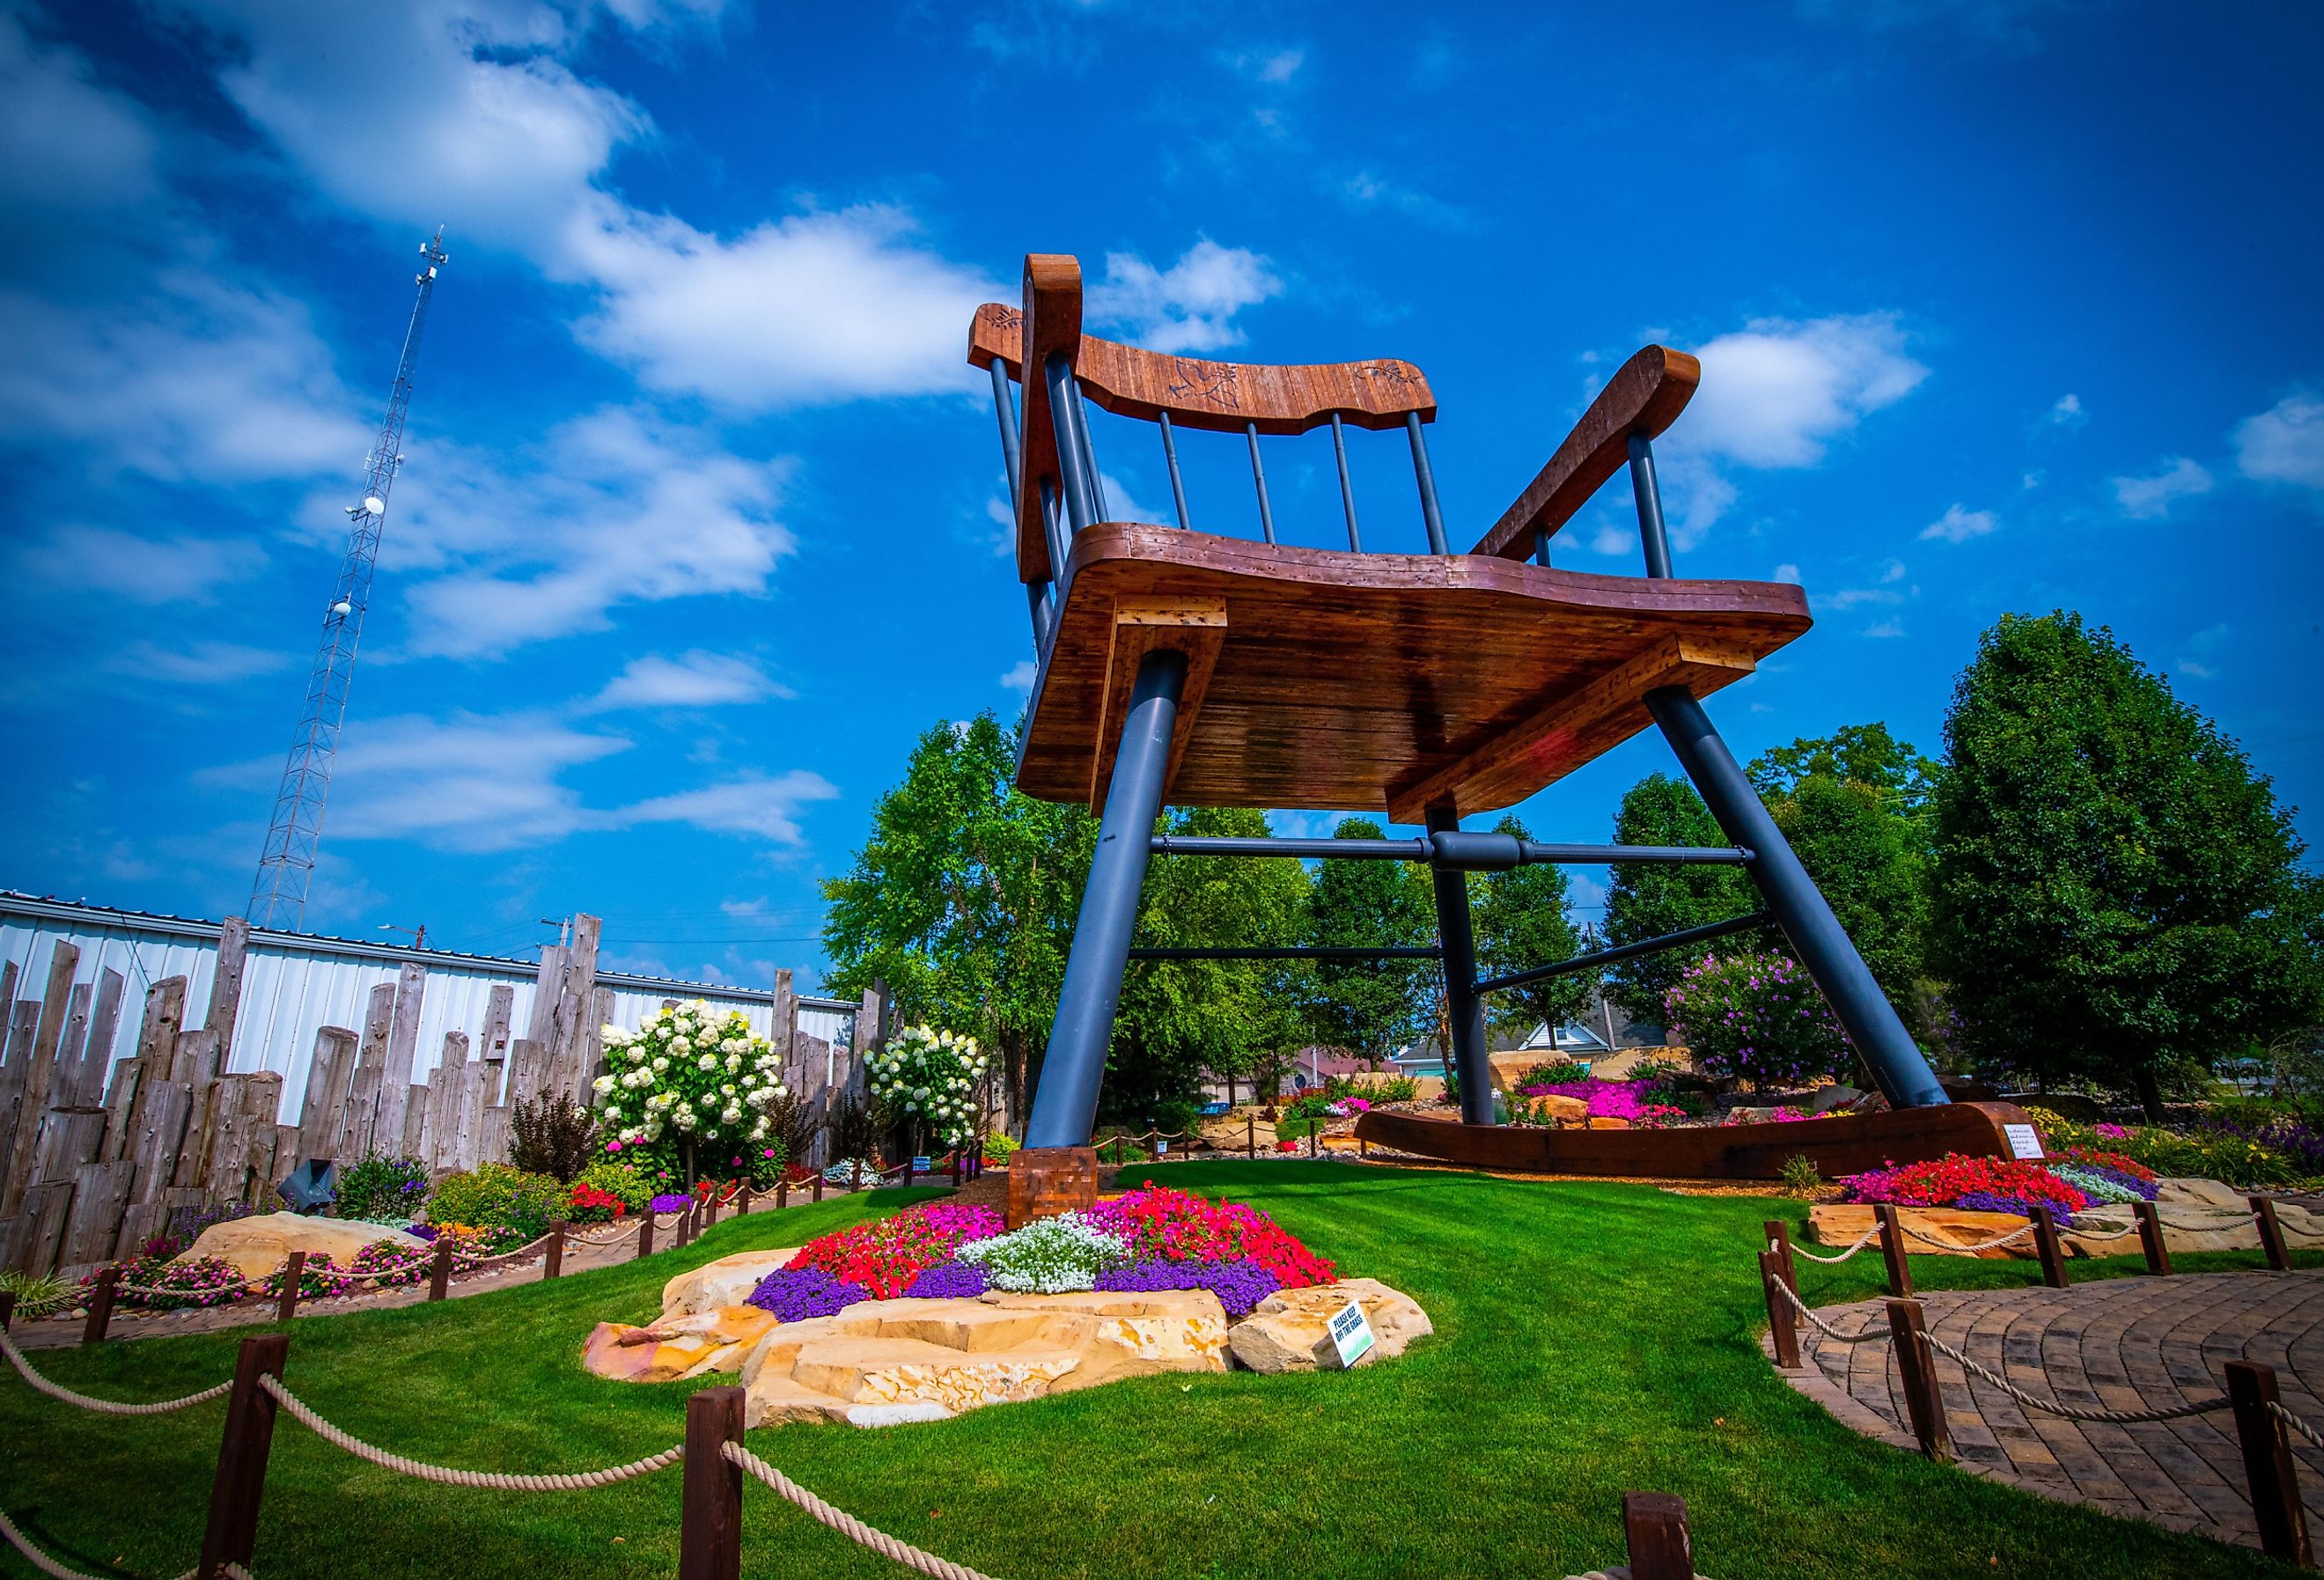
<point>1592,1338</point>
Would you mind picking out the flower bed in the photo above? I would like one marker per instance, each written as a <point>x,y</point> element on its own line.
<point>2248,1153</point>
<point>1982,1185</point>
<point>884,1256</point>
<point>1632,1102</point>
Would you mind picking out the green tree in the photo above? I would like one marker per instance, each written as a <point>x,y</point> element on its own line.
<point>962,899</point>
<point>1370,1007</point>
<point>1865,754</point>
<point>1646,901</point>
<point>2116,890</point>
<point>1520,921</point>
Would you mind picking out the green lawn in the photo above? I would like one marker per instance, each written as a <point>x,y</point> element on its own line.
<point>1590,1338</point>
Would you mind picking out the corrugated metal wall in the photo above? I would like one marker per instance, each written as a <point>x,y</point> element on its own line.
<point>293,985</point>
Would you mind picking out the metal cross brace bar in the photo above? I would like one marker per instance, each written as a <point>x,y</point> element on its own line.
<point>1484,853</point>
<point>1693,935</point>
<point>1294,952</point>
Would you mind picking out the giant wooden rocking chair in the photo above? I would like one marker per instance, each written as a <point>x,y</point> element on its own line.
<point>1182,666</point>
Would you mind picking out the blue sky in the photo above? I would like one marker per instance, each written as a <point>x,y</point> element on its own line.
<point>2002,307</point>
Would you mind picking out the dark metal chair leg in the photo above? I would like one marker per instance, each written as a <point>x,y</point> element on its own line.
<point>1798,906</point>
<point>1065,1106</point>
<point>1464,1007</point>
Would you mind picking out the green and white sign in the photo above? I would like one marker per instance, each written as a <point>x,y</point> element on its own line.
<point>1352,1333</point>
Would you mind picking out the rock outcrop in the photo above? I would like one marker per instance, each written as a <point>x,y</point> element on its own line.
<point>1289,1331</point>
<point>676,1345</point>
<point>728,1281</point>
<point>2197,1214</point>
<point>260,1244</point>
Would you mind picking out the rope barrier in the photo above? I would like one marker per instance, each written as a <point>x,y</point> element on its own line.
<point>1863,1240</point>
<point>104,1406</point>
<point>576,1482</point>
<point>1826,1328</point>
<point>847,1524</point>
<point>1980,1245</point>
<point>2275,1409</point>
<point>50,1566</point>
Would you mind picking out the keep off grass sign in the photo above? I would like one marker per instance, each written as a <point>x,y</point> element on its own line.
<point>1352,1333</point>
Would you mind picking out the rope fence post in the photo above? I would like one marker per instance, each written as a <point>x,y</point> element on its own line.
<point>1779,1240</point>
<point>2052,1252</point>
<point>2271,1234</point>
<point>1654,1526</point>
<point>818,1185</point>
<point>2150,1238</point>
<point>1916,1368</point>
<point>857,1182</point>
<point>1782,1326</point>
<point>1250,1136</point>
<point>7,1309</point>
<point>2268,1464</point>
<point>552,1264</point>
<point>100,1306</point>
<point>710,1208</point>
<point>782,1194</point>
<point>685,1222</point>
<point>908,1161</point>
<point>645,1234</point>
<point>439,1275</point>
<point>241,1479</point>
<point>955,1167</point>
<point>293,1271</point>
<point>1891,1252</point>
<point>710,1535</point>
<point>1314,1145</point>
<point>743,1201</point>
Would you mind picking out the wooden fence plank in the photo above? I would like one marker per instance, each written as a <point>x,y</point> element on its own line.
<point>199,1066</point>
<point>402,1048</point>
<point>357,1132</point>
<point>226,982</point>
<point>103,1030</point>
<point>39,1075</point>
<point>24,1025</point>
<point>323,1106</point>
<point>37,1233</point>
<point>157,1039</point>
<point>100,1194</point>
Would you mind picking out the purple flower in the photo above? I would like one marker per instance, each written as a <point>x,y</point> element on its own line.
<point>670,1204</point>
<point>949,1280</point>
<point>422,1231</point>
<point>796,1294</point>
<point>1239,1285</point>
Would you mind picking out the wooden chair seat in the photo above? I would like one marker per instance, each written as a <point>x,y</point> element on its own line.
<point>1385,682</point>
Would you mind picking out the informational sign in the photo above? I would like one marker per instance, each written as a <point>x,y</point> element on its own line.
<point>1161,1147</point>
<point>2023,1142</point>
<point>1352,1333</point>
<point>927,1165</point>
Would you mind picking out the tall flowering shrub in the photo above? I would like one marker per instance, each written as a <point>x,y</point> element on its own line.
<point>929,1077</point>
<point>1756,1017</point>
<point>689,1076</point>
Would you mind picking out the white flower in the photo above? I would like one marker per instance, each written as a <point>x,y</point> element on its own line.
<point>681,1045</point>
<point>662,1067</point>
<point>709,1062</point>
<point>781,1090</point>
<point>759,1130</point>
<point>733,1062</point>
<point>605,1084</point>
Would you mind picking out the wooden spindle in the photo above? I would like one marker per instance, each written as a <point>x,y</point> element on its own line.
<point>2271,1234</point>
<point>1916,1369</point>
<point>2268,1467</point>
<point>240,1481</point>
<point>2150,1238</point>
<point>710,1535</point>
<point>293,1271</point>
<point>1654,1525</point>
<point>100,1306</point>
<point>2052,1250</point>
<point>1891,1252</point>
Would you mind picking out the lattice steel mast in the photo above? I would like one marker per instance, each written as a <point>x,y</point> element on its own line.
<point>287,865</point>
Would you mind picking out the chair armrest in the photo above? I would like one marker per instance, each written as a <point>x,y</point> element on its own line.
<point>1645,396</point>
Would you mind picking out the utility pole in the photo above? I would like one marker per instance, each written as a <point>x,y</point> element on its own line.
<point>286,865</point>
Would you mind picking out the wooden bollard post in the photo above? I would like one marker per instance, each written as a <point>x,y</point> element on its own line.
<point>293,1271</point>
<point>645,1234</point>
<point>743,1201</point>
<point>2051,1249</point>
<point>1250,1135</point>
<point>710,1535</point>
<point>553,1263</point>
<point>782,1194</point>
<point>710,1208</point>
<point>7,1309</point>
<point>1891,1252</point>
<point>955,1167</point>
<point>2150,1238</point>
<point>818,1185</point>
<point>1314,1139</point>
<point>855,1181</point>
<point>1782,1322</point>
<point>1916,1368</point>
<point>439,1275</point>
<point>100,1306</point>
<point>2271,1234</point>
<point>2268,1464</point>
<point>908,1161</point>
<point>1654,1524</point>
<point>1364,1148</point>
<point>240,1479</point>
<point>1779,1240</point>
<point>684,1227</point>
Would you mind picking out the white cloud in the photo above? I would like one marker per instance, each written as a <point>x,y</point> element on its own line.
<point>691,680</point>
<point>1188,306</point>
<point>2284,443</point>
<point>766,808</point>
<point>198,663</point>
<point>1849,597</point>
<point>1959,525</point>
<point>115,565</point>
<point>1020,676</point>
<point>616,507</point>
<point>1776,393</point>
<point>1885,628</point>
<point>2151,498</point>
<point>1272,66</point>
<point>1790,573</point>
<point>72,146</point>
<point>2067,412</point>
<point>2201,659</point>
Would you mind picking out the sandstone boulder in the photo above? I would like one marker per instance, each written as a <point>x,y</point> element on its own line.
<point>1928,1231</point>
<point>1289,1331</point>
<point>728,1281</point>
<point>676,1345</point>
<point>885,1362</point>
<point>260,1244</point>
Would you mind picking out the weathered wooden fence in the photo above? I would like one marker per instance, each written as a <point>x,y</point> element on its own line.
<point>97,1153</point>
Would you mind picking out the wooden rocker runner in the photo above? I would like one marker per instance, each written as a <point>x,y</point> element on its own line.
<point>1185,666</point>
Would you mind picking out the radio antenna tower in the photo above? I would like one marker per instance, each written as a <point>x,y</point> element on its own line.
<point>287,865</point>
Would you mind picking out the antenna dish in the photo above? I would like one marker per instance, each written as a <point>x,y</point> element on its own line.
<point>343,607</point>
<point>375,504</point>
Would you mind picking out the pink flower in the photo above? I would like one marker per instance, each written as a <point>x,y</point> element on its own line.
<point>613,1146</point>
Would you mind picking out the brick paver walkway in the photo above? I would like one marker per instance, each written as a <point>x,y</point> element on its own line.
<point>2127,1343</point>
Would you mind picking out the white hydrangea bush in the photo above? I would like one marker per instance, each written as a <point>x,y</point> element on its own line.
<point>1048,1256</point>
<point>931,1077</point>
<point>691,1074</point>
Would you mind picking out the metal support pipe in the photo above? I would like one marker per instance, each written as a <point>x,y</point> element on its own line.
<point>1101,511</point>
<point>1541,548</point>
<point>1170,458</point>
<point>1052,531</point>
<point>1037,599</point>
<point>1483,852</point>
<point>1347,489</point>
<point>1426,477</point>
<point>1259,476</point>
<point>1649,496</point>
<point>1797,905</point>
<point>1464,1006</point>
<point>1291,952</point>
<point>1065,401</point>
<point>1004,409</point>
<point>1065,1106</point>
<point>1621,952</point>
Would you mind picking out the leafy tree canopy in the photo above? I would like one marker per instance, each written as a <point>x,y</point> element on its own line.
<point>2116,889</point>
<point>1520,921</point>
<point>1865,754</point>
<point>1370,1007</point>
<point>1646,901</point>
